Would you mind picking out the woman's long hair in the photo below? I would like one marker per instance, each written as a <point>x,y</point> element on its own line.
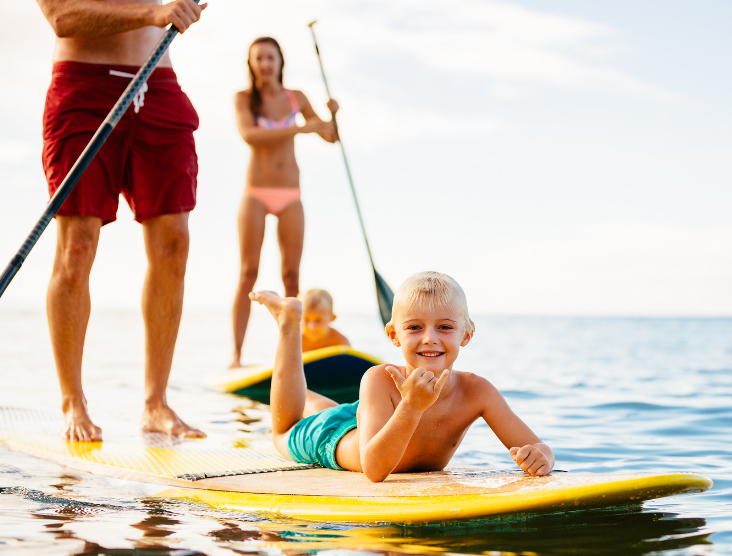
<point>255,100</point>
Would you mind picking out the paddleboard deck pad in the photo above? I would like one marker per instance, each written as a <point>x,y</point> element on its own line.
<point>333,371</point>
<point>235,477</point>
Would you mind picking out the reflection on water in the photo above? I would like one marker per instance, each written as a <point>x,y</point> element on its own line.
<point>630,531</point>
<point>610,395</point>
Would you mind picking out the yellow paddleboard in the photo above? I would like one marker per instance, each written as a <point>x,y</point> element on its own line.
<point>333,371</point>
<point>253,478</point>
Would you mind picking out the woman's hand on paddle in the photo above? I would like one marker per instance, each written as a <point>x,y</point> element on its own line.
<point>181,13</point>
<point>325,129</point>
<point>421,388</point>
<point>332,106</point>
<point>531,459</point>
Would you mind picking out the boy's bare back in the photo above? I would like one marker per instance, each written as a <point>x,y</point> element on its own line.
<point>333,338</point>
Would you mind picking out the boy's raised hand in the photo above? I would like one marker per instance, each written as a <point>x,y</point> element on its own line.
<point>420,389</point>
<point>531,459</point>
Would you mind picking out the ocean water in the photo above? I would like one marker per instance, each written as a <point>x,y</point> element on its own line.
<point>608,394</point>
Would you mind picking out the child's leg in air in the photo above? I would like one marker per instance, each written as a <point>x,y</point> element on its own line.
<point>289,391</point>
<point>289,396</point>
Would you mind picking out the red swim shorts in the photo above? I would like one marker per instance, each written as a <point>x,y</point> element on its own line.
<point>150,157</point>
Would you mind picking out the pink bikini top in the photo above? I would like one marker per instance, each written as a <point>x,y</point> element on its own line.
<point>289,121</point>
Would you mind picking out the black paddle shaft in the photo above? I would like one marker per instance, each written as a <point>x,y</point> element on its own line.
<point>86,157</point>
<point>384,295</point>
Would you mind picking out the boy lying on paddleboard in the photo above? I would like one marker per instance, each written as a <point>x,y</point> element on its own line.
<point>317,314</point>
<point>410,418</point>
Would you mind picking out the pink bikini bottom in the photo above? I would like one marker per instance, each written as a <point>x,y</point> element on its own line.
<point>274,199</point>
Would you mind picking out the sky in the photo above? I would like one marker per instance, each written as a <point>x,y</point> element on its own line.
<point>561,158</point>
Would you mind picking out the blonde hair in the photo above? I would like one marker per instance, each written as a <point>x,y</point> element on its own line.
<point>317,299</point>
<point>432,289</point>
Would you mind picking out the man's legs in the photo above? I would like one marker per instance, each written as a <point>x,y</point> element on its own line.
<point>166,245</point>
<point>68,305</point>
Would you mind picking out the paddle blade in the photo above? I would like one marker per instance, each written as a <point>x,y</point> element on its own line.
<point>385,297</point>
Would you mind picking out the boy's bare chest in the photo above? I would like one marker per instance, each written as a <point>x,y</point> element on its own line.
<point>437,437</point>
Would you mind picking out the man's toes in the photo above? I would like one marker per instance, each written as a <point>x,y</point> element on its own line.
<point>194,433</point>
<point>183,430</point>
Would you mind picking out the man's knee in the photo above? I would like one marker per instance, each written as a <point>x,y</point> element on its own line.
<point>169,249</point>
<point>74,257</point>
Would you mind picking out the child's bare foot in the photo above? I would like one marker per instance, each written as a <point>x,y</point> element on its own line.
<point>163,419</point>
<point>287,311</point>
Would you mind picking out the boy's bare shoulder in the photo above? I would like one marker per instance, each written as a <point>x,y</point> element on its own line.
<point>377,383</point>
<point>378,373</point>
<point>338,338</point>
<point>378,377</point>
<point>476,385</point>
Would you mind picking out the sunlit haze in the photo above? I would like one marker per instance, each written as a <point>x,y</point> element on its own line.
<point>555,158</point>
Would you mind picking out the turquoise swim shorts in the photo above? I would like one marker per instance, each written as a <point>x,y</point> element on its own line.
<point>314,439</point>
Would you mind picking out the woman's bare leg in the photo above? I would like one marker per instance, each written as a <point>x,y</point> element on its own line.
<point>288,393</point>
<point>290,235</point>
<point>251,234</point>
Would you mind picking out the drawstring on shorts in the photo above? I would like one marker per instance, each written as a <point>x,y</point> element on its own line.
<point>139,99</point>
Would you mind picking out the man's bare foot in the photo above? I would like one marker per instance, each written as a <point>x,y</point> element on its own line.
<point>79,427</point>
<point>287,311</point>
<point>162,418</point>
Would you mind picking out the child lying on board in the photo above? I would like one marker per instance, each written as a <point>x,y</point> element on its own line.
<point>411,417</point>
<point>317,314</point>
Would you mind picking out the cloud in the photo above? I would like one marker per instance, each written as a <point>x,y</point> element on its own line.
<point>609,268</point>
<point>515,48</point>
<point>380,123</point>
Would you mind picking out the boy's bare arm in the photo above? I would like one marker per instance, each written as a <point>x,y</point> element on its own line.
<point>385,431</point>
<point>526,449</point>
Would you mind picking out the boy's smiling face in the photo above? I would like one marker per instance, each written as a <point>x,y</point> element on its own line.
<point>316,323</point>
<point>430,336</point>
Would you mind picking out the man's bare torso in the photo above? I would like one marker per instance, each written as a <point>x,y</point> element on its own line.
<point>131,48</point>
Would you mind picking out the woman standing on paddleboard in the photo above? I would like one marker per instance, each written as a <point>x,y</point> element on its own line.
<point>265,116</point>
